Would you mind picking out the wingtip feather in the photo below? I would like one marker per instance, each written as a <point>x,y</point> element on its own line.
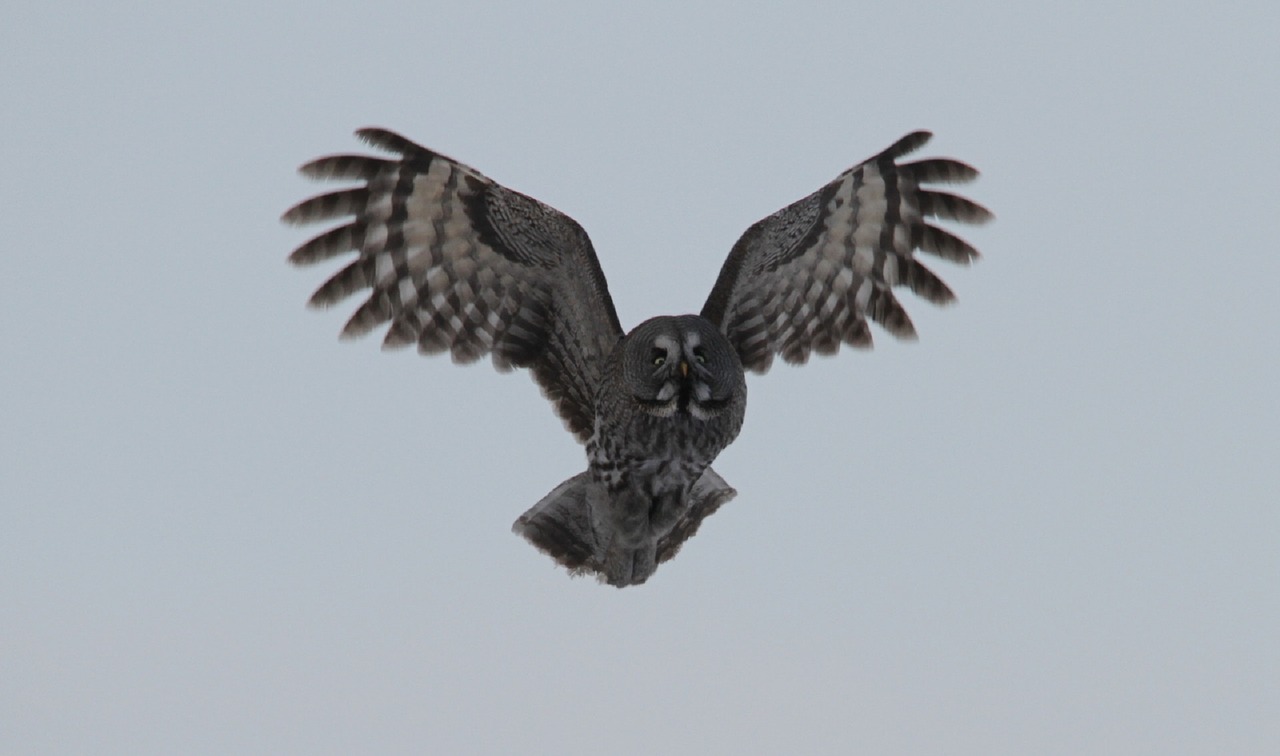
<point>388,140</point>
<point>907,144</point>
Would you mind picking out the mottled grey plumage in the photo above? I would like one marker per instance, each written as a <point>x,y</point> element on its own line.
<point>456,262</point>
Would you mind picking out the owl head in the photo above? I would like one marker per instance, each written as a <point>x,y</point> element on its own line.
<point>681,364</point>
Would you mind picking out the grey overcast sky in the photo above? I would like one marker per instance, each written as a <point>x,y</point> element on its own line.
<point>1050,526</point>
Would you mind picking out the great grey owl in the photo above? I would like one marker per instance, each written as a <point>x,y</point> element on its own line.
<point>456,262</point>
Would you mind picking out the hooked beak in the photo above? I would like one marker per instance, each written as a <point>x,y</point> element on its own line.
<point>684,369</point>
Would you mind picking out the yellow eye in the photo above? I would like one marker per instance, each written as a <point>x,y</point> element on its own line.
<point>659,361</point>
<point>700,356</point>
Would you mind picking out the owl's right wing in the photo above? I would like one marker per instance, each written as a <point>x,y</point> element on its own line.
<point>456,262</point>
<point>810,276</point>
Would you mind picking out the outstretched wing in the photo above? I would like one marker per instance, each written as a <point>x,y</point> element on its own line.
<point>809,276</point>
<point>456,262</point>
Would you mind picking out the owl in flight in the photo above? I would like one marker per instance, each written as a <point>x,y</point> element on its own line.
<point>455,262</point>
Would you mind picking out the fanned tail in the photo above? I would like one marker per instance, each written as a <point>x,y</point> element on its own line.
<point>573,526</point>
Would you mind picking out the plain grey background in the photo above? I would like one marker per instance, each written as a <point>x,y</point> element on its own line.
<point>1048,527</point>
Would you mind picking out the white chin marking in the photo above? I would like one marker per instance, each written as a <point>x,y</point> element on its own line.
<point>698,412</point>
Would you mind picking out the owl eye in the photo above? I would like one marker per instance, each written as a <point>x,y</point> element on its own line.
<point>658,357</point>
<point>700,356</point>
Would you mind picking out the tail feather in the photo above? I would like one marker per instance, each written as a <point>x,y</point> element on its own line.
<point>573,526</point>
<point>709,493</point>
<point>560,524</point>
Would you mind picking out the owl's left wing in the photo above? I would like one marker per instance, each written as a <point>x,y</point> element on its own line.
<point>809,276</point>
<point>456,262</point>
